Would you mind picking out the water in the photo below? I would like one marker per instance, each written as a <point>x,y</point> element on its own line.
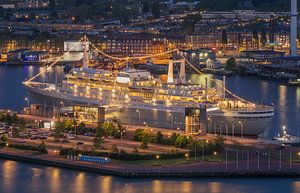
<point>18,177</point>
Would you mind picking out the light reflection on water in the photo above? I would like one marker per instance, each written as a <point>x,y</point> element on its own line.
<point>18,177</point>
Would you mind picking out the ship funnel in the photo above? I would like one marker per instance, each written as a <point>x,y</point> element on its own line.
<point>170,72</point>
<point>85,53</point>
<point>182,76</point>
<point>293,35</point>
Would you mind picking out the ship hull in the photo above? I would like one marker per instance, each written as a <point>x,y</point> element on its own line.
<point>219,123</point>
<point>237,126</point>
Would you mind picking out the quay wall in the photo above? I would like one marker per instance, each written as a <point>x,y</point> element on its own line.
<point>147,173</point>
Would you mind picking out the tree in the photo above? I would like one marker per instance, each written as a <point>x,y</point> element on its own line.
<point>122,153</point>
<point>109,128</point>
<point>114,149</point>
<point>15,132</point>
<point>81,127</point>
<point>21,123</point>
<point>182,141</point>
<point>156,9</point>
<point>135,151</point>
<point>224,37</point>
<point>70,124</point>
<point>255,34</point>
<point>98,140</point>
<point>263,37</point>
<point>52,3</point>
<point>255,37</point>
<point>145,7</point>
<point>53,15</point>
<point>120,131</point>
<point>138,135</point>
<point>189,22</point>
<point>42,145</point>
<point>218,143</point>
<point>145,142</point>
<point>58,130</point>
<point>173,138</point>
<point>4,138</point>
<point>159,137</point>
<point>230,64</point>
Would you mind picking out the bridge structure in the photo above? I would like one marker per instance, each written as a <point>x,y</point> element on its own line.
<point>87,44</point>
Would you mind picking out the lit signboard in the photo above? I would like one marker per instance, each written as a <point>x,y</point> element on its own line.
<point>30,57</point>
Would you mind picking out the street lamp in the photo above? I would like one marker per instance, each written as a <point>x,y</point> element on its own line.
<point>202,148</point>
<point>242,129</point>
<point>232,129</point>
<point>187,156</point>
<point>210,123</point>
<point>122,131</point>
<point>178,129</point>
<point>171,120</point>
<point>145,124</point>
<point>139,112</point>
<point>27,101</point>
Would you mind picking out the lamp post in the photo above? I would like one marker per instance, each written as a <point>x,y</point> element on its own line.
<point>258,164</point>
<point>210,123</point>
<point>248,159</point>
<point>279,160</point>
<point>62,104</point>
<point>202,152</point>
<point>290,157</point>
<point>242,129</point>
<point>232,129</point>
<point>122,131</point>
<point>139,112</point>
<point>75,127</point>
<point>237,159</point>
<point>226,159</point>
<point>27,101</point>
<point>187,156</point>
<point>171,120</point>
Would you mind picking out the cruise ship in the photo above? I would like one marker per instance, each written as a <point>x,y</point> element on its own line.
<point>137,97</point>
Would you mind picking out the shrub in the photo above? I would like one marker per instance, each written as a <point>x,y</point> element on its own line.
<point>40,148</point>
<point>123,155</point>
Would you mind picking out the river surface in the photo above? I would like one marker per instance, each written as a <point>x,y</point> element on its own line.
<point>16,177</point>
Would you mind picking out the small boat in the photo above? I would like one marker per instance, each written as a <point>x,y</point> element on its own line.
<point>294,82</point>
<point>286,138</point>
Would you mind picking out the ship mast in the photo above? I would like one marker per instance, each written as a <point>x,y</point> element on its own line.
<point>85,52</point>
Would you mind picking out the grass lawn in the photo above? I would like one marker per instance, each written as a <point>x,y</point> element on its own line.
<point>24,151</point>
<point>176,161</point>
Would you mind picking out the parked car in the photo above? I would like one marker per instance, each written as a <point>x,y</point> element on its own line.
<point>65,141</point>
<point>80,143</point>
<point>34,138</point>
<point>71,137</point>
